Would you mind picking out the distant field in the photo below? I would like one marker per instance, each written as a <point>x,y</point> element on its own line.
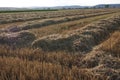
<point>14,11</point>
<point>77,44</point>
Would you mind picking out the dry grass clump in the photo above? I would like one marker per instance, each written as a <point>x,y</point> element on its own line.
<point>17,39</point>
<point>112,45</point>
<point>55,42</point>
<point>104,58</point>
<point>98,57</point>
<point>13,29</point>
<point>99,62</point>
<point>80,40</point>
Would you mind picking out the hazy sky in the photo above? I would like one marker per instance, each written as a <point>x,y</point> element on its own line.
<point>43,3</point>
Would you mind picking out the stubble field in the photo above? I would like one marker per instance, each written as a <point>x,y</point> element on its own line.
<point>77,44</point>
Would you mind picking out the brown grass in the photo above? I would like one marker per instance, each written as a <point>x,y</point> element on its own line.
<point>65,27</point>
<point>74,51</point>
<point>112,45</point>
<point>23,64</point>
<point>45,22</point>
<point>21,17</point>
<point>79,40</point>
<point>17,39</point>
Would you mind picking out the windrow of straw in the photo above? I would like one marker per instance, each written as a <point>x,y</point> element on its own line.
<point>46,22</point>
<point>80,40</point>
<point>17,39</point>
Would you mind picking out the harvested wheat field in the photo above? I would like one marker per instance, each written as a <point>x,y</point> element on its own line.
<point>76,44</point>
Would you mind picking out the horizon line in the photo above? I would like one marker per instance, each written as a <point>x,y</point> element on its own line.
<point>56,6</point>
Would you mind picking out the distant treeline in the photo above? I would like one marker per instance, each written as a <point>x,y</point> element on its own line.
<point>14,11</point>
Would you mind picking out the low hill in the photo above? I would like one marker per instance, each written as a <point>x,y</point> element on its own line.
<point>107,6</point>
<point>61,7</point>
